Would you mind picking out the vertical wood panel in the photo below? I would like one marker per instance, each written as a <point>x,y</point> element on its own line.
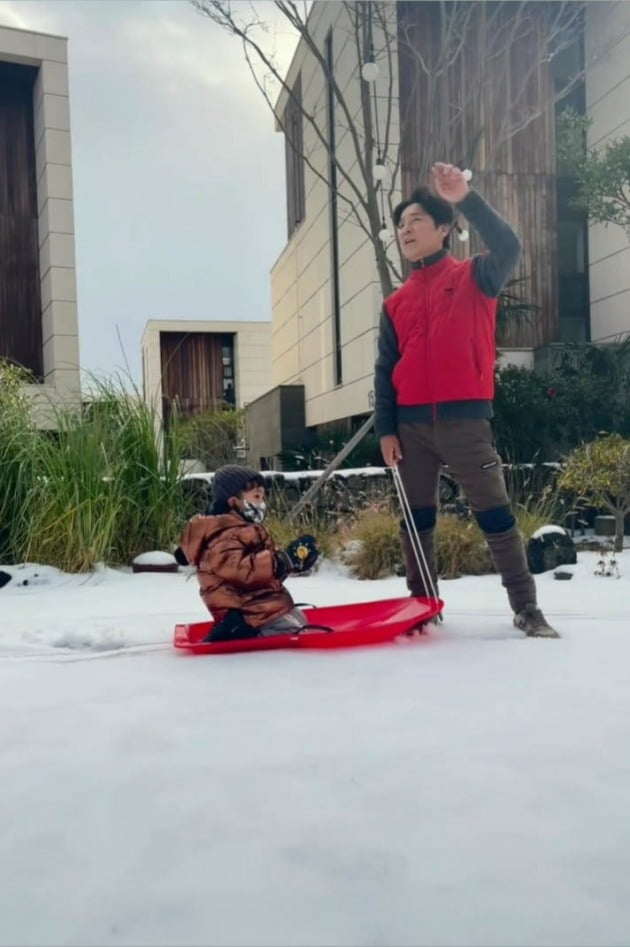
<point>20,295</point>
<point>192,371</point>
<point>461,115</point>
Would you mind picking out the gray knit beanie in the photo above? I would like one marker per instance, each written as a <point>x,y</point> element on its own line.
<point>230,480</point>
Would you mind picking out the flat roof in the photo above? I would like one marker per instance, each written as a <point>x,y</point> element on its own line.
<point>19,29</point>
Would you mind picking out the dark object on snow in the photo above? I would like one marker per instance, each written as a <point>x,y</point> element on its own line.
<point>5,578</point>
<point>549,551</point>
<point>562,574</point>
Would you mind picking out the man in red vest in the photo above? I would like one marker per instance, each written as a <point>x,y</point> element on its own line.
<point>434,380</point>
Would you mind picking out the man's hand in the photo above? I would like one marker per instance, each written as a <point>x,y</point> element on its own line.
<point>449,182</point>
<point>390,449</point>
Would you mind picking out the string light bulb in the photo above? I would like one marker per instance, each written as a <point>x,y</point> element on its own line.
<point>370,70</point>
<point>384,235</point>
<point>379,171</point>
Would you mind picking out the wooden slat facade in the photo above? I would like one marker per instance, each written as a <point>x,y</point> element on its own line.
<point>496,79</point>
<point>20,295</point>
<point>192,371</point>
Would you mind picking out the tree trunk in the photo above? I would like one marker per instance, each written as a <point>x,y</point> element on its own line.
<point>619,530</point>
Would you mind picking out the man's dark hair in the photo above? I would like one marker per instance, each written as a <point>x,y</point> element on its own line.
<point>440,211</point>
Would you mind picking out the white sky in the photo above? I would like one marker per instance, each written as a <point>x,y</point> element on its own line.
<point>178,171</point>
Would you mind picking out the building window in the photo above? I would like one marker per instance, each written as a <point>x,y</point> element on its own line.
<point>571,224</point>
<point>333,217</point>
<point>20,292</point>
<point>227,361</point>
<point>294,157</point>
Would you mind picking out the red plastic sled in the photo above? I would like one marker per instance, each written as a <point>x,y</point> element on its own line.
<point>361,623</point>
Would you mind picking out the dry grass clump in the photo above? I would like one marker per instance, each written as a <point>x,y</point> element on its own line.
<point>460,548</point>
<point>371,545</point>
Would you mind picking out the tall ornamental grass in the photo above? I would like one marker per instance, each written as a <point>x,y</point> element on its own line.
<point>101,488</point>
<point>19,441</point>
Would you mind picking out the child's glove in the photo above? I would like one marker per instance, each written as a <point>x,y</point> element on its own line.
<point>180,556</point>
<point>303,553</point>
<point>299,556</point>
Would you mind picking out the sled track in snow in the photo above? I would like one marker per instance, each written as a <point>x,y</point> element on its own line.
<point>69,655</point>
<point>65,654</point>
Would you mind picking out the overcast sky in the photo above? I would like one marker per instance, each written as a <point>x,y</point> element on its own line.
<point>179,195</point>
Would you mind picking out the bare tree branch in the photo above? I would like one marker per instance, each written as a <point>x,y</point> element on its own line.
<point>356,186</point>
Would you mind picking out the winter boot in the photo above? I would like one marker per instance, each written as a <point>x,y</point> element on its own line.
<point>532,621</point>
<point>508,554</point>
<point>415,582</point>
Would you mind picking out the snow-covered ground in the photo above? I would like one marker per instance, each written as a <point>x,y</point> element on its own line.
<point>468,789</point>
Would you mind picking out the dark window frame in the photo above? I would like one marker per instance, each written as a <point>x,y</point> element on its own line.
<point>333,216</point>
<point>294,157</point>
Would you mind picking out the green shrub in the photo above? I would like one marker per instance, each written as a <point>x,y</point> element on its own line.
<point>584,390</point>
<point>212,437</point>
<point>600,470</point>
<point>521,415</point>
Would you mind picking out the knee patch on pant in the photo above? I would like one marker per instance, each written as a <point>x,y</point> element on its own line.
<point>498,520</point>
<point>424,517</point>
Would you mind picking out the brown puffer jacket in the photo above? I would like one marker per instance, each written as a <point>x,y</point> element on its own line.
<point>235,562</point>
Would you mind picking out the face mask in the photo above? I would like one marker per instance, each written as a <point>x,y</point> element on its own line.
<point>254,512</point>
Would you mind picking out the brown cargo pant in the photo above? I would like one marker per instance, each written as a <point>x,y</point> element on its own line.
<point>467,447</point>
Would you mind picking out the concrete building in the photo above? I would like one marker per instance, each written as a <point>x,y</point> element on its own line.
<point>38,299</point>
<point>326,295</point>
<point>607,41</point>
<point>203,365</point>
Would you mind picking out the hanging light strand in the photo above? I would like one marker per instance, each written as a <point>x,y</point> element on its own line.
<point>369,73</point>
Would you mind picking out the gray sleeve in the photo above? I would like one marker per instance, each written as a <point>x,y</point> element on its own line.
<point>492,269</point>
<point>384,393</point>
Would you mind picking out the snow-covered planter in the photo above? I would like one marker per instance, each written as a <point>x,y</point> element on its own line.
<point>155,561</point>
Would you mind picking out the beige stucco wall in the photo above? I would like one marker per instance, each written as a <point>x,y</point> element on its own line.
<point>252,355</point>
<point>53,159</point>
<point>608,104</point>
<point>302,303</point>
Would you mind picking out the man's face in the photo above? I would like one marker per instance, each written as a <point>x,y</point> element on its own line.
<point>418,234</point>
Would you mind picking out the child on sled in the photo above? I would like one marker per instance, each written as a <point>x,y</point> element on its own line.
<point>239,567</point>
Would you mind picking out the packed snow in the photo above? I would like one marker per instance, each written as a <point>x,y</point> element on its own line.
<point>548,530</point>
<point>470,788</point>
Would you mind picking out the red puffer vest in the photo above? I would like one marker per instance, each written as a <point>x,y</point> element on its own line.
<point>445,328</point>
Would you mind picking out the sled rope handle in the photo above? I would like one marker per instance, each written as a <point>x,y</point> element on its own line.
<point>416,545</point>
